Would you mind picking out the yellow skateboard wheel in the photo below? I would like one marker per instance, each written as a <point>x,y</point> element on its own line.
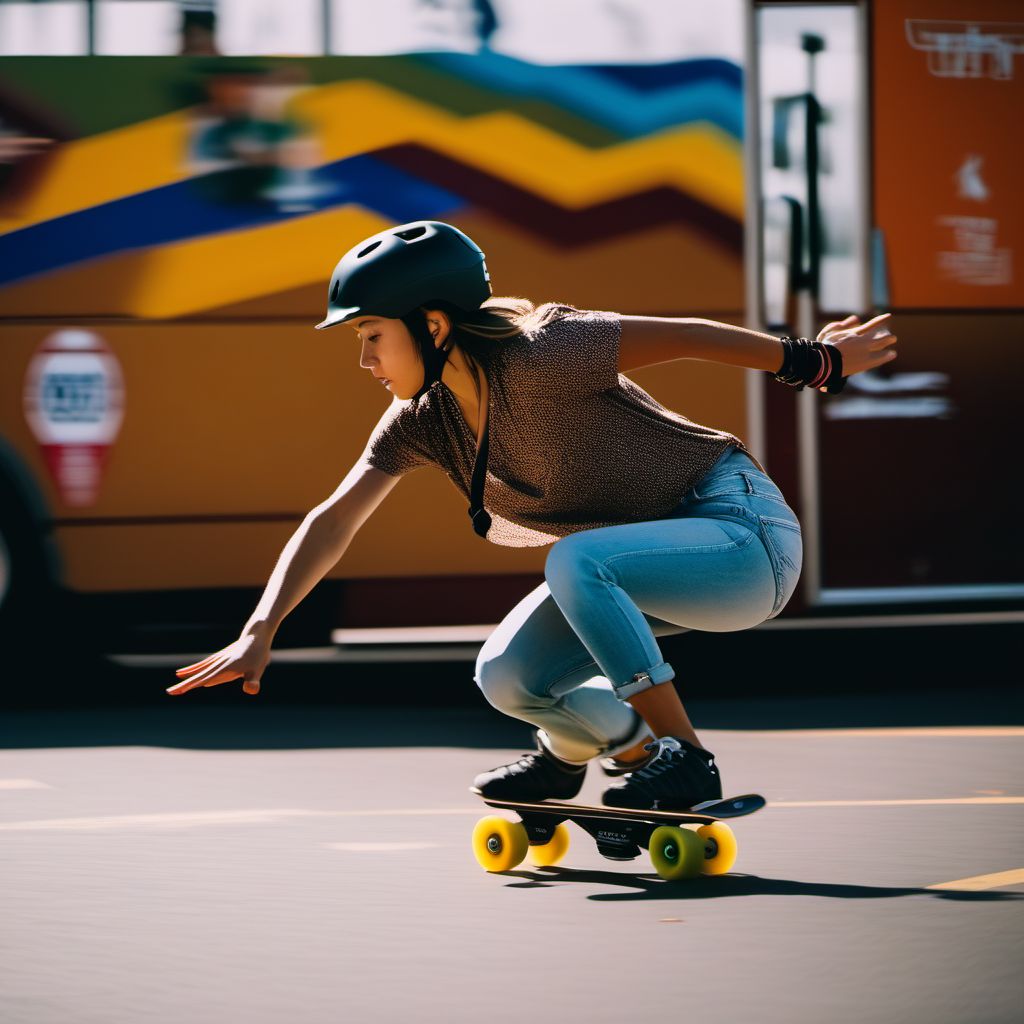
<point>499,844</point>
<point>676,852</point>
<point>719,848</point>
<point>551,852</point>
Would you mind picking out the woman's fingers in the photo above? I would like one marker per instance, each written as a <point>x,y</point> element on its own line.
<point>190,684</point>
<point>225,675</point>
<point>243,660</point>
<point>852,323</point>
<point>196,666</point>
<point>871,324</point>
<point>207,678</point>
<point>864,346</point>
<point>838,325</point>
<point>182,687</point>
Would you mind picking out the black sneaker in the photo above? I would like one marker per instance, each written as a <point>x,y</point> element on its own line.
<point>680,777</point>
<point>612,767</point>
<point>540,776</point>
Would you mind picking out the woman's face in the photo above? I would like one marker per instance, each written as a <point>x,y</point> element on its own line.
<point>390,354</point>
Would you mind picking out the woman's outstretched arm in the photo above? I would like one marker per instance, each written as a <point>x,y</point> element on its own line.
<point>647,340</point>
<point>313,549</point>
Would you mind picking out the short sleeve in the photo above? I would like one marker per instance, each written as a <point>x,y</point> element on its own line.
<point>577,351</point>
<point>394,445</point>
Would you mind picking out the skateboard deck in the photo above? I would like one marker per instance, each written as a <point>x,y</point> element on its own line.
<point>676,850</point>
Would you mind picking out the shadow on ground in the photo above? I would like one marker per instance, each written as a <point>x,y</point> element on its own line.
<point>379,715</point>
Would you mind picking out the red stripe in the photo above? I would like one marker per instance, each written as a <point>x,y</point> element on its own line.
<point>827,366</point>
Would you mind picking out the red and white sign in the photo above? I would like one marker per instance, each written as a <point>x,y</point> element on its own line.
<point>74,403</point>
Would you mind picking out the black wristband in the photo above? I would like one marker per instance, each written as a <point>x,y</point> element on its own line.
<point>804,361</point>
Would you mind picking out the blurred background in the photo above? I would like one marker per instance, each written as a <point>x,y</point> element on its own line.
<point>177,181</point>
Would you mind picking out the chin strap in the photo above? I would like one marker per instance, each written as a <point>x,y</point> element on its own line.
<point>434,359</point>
<point>477,513</point>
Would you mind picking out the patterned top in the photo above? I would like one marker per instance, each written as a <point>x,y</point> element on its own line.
<point>573,443</point>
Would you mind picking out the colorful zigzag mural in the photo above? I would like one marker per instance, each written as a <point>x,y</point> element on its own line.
<point>577,181</point>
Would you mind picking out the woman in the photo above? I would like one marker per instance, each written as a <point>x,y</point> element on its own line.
<point>660,525</point>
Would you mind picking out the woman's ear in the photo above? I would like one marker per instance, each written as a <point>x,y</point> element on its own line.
<point>439,325</point>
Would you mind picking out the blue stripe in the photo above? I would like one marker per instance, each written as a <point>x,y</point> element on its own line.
<point>651,77</point>
<point>621,98</point>
<point>180,211</point>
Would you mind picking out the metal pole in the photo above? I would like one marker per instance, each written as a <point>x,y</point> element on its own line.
<point>753,243</point>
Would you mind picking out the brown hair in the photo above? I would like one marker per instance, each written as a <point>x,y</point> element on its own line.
<point>497,318</point>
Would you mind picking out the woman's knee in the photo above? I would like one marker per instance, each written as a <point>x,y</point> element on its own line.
<point>567,560</point>
<point>501,682</point>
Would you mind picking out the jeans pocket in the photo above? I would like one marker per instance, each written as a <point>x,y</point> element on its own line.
<point>720,485</point>
<point>784,543</point>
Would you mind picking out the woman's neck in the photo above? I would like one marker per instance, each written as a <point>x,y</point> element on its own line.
<point>465,378</point>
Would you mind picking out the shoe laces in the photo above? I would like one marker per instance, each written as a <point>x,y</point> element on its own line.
<point>527,761</point>
<point>665,747</point>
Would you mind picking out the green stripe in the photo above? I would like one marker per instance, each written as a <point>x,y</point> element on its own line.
<point>99,94</point>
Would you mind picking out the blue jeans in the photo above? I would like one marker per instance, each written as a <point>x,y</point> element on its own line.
<point>567,656</point>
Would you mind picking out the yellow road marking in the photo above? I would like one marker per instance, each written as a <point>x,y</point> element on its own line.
<point>1000,878</point>
<point>899,803</point>
<point>926,730</point>
<point>381,847</point>
<point>267,816</point>
<point>186,820</point>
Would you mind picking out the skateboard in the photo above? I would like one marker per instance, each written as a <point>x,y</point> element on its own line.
<point>677,850</point>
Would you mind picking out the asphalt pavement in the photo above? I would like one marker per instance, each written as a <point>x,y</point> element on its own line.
<point>221,857</point>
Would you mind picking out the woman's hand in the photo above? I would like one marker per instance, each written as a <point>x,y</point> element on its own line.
<point>245,659</point>
<point>863,346</point>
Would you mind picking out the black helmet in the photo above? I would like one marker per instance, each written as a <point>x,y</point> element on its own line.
<point>397,270</point>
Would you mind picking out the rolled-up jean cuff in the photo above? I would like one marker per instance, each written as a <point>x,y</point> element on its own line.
<point>645,680</point>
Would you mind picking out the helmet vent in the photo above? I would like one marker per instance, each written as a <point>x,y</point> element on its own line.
<point>412,233</point>
<point>367,250</point>
<point>334,290</point>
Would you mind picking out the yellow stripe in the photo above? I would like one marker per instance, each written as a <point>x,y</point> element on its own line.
<point>899,803</point>
<point>259,816</point>
<point>104,168</point>
<point>304,252</point>
<point>184,819</point>
<point>996,881</point>
<point>700,158</point>
<point>382,847</point>
<point>356,117</point>
<point>939,730</point>
<point>187,277</point>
